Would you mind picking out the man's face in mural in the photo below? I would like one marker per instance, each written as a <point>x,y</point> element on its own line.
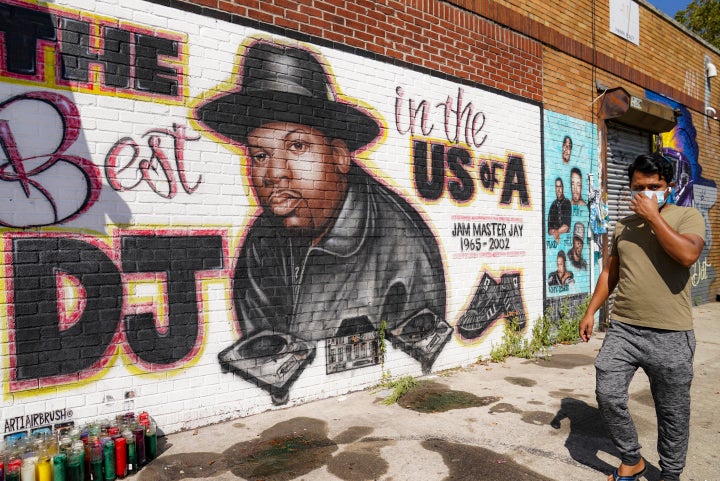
<point>560,265</point>
<point>566,149</point>
<point>299,174</point>
<point>559,190</point>
<point>576,187</point>
<point>577,247</point>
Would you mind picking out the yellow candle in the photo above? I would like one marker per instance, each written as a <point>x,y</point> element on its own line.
<point>44,470</point>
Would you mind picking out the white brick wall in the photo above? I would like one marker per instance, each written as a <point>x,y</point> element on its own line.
<point>193,391</point>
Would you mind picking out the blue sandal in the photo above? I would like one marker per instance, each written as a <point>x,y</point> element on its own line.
<point>634,477</point>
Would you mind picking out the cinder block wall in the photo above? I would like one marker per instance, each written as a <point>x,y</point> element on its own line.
<point>212,209</point>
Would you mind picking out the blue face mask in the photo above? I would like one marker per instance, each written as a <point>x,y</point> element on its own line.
<point>660,194</point>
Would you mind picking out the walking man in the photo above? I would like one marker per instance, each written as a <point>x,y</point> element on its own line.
<point>651,320</point>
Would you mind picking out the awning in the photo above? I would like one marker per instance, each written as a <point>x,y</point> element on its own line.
<point>619,106</point>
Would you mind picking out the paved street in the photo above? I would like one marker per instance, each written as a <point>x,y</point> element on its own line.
<point>534,420</point>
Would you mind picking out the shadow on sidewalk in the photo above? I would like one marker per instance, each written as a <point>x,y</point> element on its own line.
<point>587,435</point>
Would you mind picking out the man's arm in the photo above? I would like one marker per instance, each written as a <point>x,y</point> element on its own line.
<point>563,229</point>
<point>606,283</point>
<point>684,248</point>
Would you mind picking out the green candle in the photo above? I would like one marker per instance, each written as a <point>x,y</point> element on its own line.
<point>109,460</point>
<point>74,465</point>
<point>96,461</point>
<point>151,441</point>
<point>131,454</point>
<point>59,466</point>
<point>96,470</point>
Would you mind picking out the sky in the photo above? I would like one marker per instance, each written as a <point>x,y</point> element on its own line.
<point>670,6</point>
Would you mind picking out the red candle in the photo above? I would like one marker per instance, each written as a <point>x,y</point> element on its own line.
<point>120,457</point>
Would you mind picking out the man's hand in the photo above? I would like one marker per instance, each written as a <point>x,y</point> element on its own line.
<point>683,248</point>
<point>644,206</point>
<point>586,326</point>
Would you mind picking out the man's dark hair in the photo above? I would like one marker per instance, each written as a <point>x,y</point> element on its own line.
<point>568,138</point>
<point>577,171</point>
<point>561,253</point>
<point>653,163</point>
<point>561,182</point>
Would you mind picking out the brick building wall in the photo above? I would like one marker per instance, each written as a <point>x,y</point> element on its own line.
<point>211,208</point>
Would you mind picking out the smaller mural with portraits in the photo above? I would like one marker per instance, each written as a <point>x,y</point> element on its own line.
<point>570,156</point>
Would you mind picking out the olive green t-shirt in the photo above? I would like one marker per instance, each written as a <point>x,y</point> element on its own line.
<point>653,289</point>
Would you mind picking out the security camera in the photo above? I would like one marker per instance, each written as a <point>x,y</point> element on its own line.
<point>711,70</point>
<point>711,112</point>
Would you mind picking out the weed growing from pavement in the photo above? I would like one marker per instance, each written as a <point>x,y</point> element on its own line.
<point>382,350</point>
<point>400,387</point>
<point>515,344</point>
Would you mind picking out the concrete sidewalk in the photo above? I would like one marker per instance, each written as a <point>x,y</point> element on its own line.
<point>534,420</point>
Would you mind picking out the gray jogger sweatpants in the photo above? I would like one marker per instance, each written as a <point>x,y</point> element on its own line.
<point>667,359</point>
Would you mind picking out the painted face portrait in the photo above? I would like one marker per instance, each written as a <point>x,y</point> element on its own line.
<point>566,149</point>
<point>577,247</point>
<point>298,174</point>
<point>560,265</point>
<point>576,187</point>
<point>559,190</point>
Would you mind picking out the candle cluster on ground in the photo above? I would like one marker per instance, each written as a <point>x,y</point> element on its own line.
<point>98,451</point>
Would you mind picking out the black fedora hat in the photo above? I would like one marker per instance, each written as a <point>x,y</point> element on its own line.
<point>281,83</point>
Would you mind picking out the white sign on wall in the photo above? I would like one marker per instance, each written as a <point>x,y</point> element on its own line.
<point>625,20</point>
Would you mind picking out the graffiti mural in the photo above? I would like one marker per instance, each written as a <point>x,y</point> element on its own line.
<point>53,343</point>
<point>90,53</point>
<point>493,300</point>
<point>570,158</point>
<point>271,223</point>
<point>691,189</point>
<point>333,252</point>
<point>30,165</point>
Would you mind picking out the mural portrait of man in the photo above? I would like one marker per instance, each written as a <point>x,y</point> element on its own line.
<point>576,253</point>
<point>576,187</point>
<point>333,252</point>
<point>562,276</point>
<point>560,213</point>
<point>567,146</point>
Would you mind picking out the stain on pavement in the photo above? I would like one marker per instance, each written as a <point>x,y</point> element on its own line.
<point>432,397</point>
<point>360,461</point>
<point>521,381</point>
<point>538,418</point>
<point>565,361</point>
<point>285,451</point>
<point>352,434</point>
<point>473,463</point>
